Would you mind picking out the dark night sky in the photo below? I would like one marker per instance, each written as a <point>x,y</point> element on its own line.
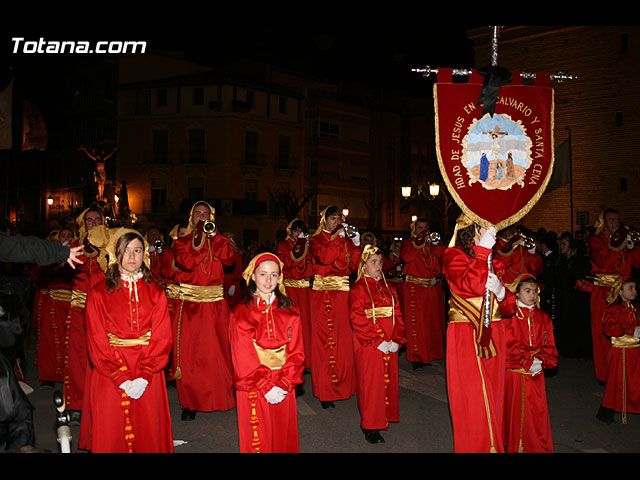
<point>374,55</point>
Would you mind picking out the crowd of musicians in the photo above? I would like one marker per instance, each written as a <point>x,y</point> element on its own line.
<point>241,326</point>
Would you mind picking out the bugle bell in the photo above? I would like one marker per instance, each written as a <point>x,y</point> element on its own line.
<point>433,237</point>
<point>158,245</point>
<point>209,227</point>
<point>350,230</point>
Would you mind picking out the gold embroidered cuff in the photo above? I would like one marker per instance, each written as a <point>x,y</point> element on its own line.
<point>625,341</point>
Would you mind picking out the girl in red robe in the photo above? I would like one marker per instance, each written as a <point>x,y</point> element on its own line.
<point>530,349</point>
<point>622,325</point>
<point>268,355</point>
<point>475,354</point>
<point>129,342</point>
<point>378,333</point>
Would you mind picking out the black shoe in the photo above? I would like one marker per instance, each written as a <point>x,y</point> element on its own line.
<point>605,415</point>
<point>373,436</point>
<point>326,405</point>
<point>188,415</point>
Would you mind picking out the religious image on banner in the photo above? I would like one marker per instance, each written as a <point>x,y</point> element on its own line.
<point>497,152</point>
<point>496,165</point>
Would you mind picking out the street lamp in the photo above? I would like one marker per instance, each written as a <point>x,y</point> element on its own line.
<point>49,200</point>
<point>434,189</point>
<point>345,212</point>
<point>406,192</point>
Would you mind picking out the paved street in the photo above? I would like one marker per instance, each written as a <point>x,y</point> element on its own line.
<point>424,427</point>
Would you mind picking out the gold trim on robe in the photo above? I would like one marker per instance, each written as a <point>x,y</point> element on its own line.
<point>116,341</point>
<point>301,283</point>
<point>330,283</point>
<point>274,358</point>
<point>201,294</point>
<point>78,298</point>
<point>423,282</point>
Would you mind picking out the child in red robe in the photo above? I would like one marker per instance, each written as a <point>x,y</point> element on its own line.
<point>268,357</point>
<point>622,325</point>
<point>530,348</point>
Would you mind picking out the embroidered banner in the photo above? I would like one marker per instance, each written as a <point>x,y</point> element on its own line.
<point>495,167</point>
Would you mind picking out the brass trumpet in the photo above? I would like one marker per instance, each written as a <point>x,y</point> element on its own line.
<point>350,230</point>
<point>209,228</point>
<point>527,241</point>
<point>433,237</point>
<point>158,245</point>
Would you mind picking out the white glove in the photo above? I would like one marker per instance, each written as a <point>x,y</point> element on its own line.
<point>135,388</point>
<point>629,242</point>
<point>488,238</point>
<point>495,286</point>
<point>232,290</point>
<point>384,346</point>
<point>275,395</point>
<point>393,347</point>
<point>303,235</point>
<point>536,368</point>
<point>636,332</point>
<point>356,239</point>
<point>532,250</point>
<point>342,233</point>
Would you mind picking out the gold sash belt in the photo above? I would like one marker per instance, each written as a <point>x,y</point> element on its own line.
<point>423,282</point>
<point>78,298</point>
<point>172,291</point>
<point>625,341</point>
<point>60,294</point>
<point>274,358</point>
<point>330,283</point>
<point>379,312</point>
<point>116,341</point>
<point>198,293</point>
<point>606,279</point>
<point>302,283</point>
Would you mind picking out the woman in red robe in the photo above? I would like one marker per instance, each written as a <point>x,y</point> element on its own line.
<point>378,333</point>
<point>531,348</point>
<point>268,355</point>
<point>129,341</point>
<point>475,354</point>
<point>622,325</point>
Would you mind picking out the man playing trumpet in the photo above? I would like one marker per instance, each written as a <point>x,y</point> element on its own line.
<point>423,297</point>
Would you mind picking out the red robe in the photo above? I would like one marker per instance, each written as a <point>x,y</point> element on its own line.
<point>264,427</point>
<point>475,384</point>
<point>423,308</point>
<point>605,261</point>
<point>332,364</point>
<point>395,276</point>
<point>201,336</point>
<point>298,268</point>
<point>112,422</point>
<point>234,278</point>
<point>76,357</point>
<point>528,334</point>
<point>53,285</point>
<point>517,261</point>
<point>377,372</point>
<point>622,390</point>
